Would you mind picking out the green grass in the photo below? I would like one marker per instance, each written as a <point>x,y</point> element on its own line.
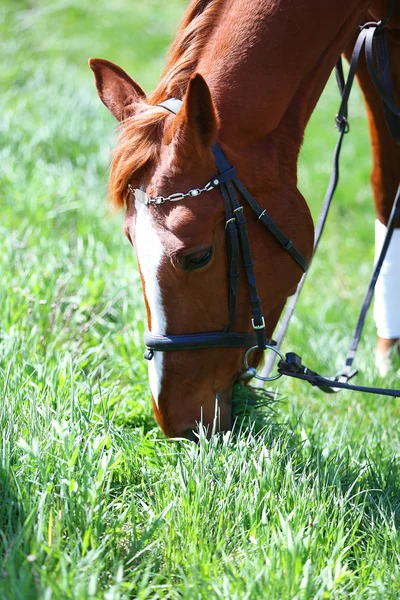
<point>94,502</point>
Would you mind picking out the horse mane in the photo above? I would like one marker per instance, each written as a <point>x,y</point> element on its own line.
<point>193,32</point>
<point>140,136</point>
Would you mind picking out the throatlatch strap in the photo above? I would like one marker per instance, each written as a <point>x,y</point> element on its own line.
<point>268,222</point>
<point>265,219</point>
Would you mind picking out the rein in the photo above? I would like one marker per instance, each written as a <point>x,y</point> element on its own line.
<point>372,36</point>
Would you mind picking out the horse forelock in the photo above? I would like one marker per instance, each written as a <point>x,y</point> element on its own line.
<point>138,145</point>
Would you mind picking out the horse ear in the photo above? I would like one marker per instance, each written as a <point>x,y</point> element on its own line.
<point>118,92</point>
<point>197,120</point>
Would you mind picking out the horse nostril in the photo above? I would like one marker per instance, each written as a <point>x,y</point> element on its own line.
<point>194,260</point>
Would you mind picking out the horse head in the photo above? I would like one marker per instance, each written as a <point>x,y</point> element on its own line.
<point>181,246</point>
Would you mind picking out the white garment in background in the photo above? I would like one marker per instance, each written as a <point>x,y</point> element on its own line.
<point>387,291</point>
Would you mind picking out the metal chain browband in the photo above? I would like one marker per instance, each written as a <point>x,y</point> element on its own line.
<point>237,239</point>
<point>211,185</point>
<point>145,199</point>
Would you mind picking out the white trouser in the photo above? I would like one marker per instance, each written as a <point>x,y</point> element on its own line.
<point>387,291</point>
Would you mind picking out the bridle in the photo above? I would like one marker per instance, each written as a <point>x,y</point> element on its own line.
<point>372,36</point>
<point>237,240</point>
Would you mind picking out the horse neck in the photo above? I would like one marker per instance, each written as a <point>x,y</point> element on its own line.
<point>268,61</point>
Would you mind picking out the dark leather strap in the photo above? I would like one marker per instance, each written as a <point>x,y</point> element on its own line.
<point>341,117</point>
<point>394,215</point>
<point>265,219</point>
<point>340,75</point>
<point>227,175</point>
<point>389,15</point>
<point>196,341</point>
<point>234,216</point>
<point>232,243</point>
<point>292,366</point>
<point>268,222</point>
<point>248,265</point>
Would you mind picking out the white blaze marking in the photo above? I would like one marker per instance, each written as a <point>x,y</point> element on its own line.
<point>150,251</point>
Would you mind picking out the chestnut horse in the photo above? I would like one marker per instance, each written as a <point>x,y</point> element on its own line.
<point>249,73</point>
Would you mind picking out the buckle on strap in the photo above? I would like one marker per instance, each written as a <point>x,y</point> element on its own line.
<point>262,326</point>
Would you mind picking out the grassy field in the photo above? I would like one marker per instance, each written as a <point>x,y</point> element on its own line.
<point>94,502</point>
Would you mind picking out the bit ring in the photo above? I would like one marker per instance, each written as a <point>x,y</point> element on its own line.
<point>267,347</point>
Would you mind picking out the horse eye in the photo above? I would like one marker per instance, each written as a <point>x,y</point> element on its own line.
<point>195,260</point>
